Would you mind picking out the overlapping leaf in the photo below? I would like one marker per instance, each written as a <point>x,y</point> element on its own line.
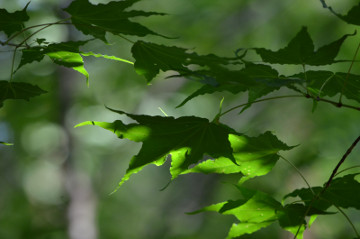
<point>327,83</point>
<point>352,17</point>
<point>151,58</point>
<point>97,20</point>
<point>65,54</point>
<point>340,193</point>
<point>186,139</point>
<point>300,50</point>
<point>257,79</point>
<point>255,156</point>
<point>13,22</point>
<point>257,210</point>
<point>18,90</point>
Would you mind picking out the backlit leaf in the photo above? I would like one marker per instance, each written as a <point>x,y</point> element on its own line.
<point>112,17</point>
<point>300,50</point>
<point>18,90</point>
<point>352,17</point>
<point>187,139</point>
<point>255,156</point>
<point>257,210</point>
<point>13,22</point>
<point>150,58</point>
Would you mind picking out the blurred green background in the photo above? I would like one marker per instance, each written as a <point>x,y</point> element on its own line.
<point>56,180</point>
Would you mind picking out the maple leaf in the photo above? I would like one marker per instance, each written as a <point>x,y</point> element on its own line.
<point>187,139</point>
<point>300,50</point>
<point>18,90</point>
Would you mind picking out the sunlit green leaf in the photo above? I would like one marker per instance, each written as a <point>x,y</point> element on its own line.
<point>18,90</point>
<point>300,50</point>
<point>114,58</point>
<point>65,54</point>
<point>187,139</point>
<point>13,22</point>
<point>7,144</point>
<point>150,58</point>
<point>112,17</point>
<point>255,156</point>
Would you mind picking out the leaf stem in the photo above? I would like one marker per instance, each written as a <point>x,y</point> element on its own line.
<point>348,73</point>
<point>258,101</point>
<point>299,172</point>
<point>348,219</point>
<point>327,184</point>
<point>12,64</point>
<point>34,26</point>
<point>341,171</point>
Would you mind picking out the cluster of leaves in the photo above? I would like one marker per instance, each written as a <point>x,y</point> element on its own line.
<point>188,139</point>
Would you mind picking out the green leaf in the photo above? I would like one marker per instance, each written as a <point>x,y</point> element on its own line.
<point>96,20</point>
<point>65,54</point>
<point>339,193</point>
<point>255,156</point>
<point>114,58</point>
<point>150,58</point>
<point>13,22</point>
<point>327,83</point>
<point>352,17</point>
<point>7,144</point>
<point>18,90</point>
<point>187,139</point>
<point>257,210</point>
<point>300,50</point>
<point>259,80</point>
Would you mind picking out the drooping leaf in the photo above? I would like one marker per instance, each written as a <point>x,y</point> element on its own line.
<point>150,58</point>
<point>18,90</point>
<point>340,193</point>
<point>255,156</point>
<point>13,22</point>
<point>259,80</point>
<point>114,58</point>
<point>300,50</point>
<point>65,54</point>
<point>257,210</point>
<point>187,139</point>
<point>112,17</point>
<point>327,83</point>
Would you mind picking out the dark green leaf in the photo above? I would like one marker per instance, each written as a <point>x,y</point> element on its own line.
<point>257,79</point>
<point>13,22</point>
<point>151,58</point>
<point>327,83</point>
<point>300,50</point>
<point>340,193</point>
<point>18,90</point>
<point>186,139</point>
<point>255,156</point>
<point>96,20</point>
<point>352,17</point>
